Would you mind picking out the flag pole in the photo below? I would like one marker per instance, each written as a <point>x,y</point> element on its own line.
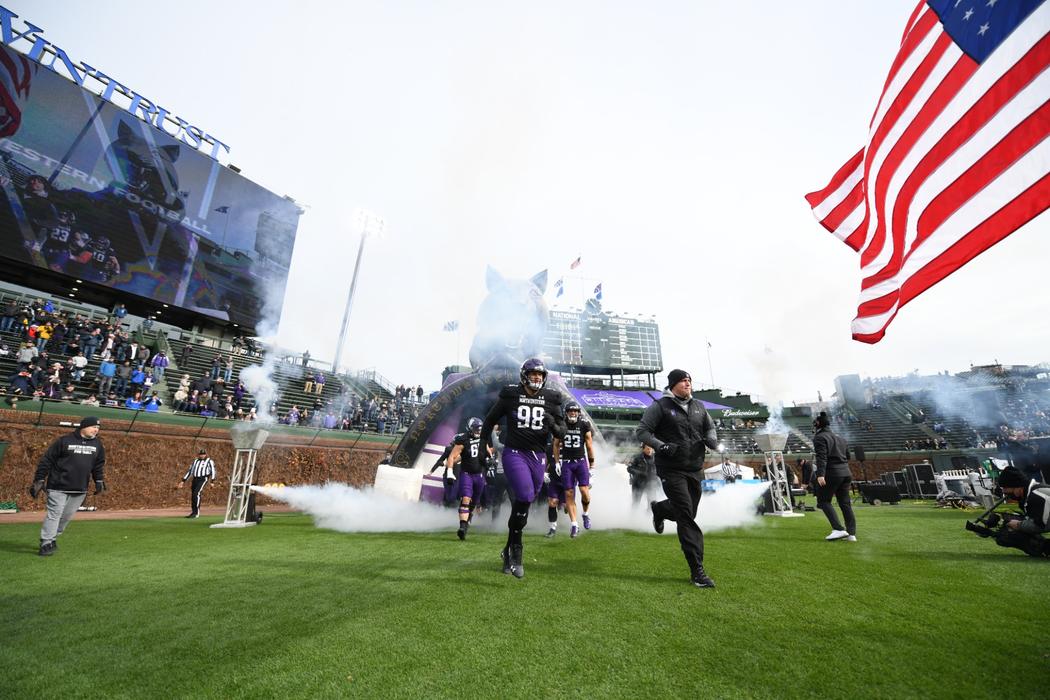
<point>710,367</point>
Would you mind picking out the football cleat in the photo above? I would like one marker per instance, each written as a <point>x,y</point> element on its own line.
<point>505,555</point>
<point>586,522</point>
<point>701,579</point>
<point>574,532</point>
<point>516,567</point>
<point>551,533</point>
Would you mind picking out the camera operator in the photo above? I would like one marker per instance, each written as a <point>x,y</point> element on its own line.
<point>1025,533</point>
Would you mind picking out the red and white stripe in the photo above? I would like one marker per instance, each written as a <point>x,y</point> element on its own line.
<point>957,158</point>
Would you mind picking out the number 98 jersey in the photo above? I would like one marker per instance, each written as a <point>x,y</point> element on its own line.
<point>530,419</point>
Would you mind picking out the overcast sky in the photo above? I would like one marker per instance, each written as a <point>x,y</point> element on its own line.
<point>667,143</point>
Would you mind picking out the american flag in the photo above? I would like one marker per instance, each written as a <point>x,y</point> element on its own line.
<point>575,263</point>
<point>957,156</point>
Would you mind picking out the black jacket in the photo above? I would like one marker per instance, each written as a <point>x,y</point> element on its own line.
<point>831,453</point>
<point>1036,508</point>
<point>689,427</point>
<point>641,468</point>
<point>71,462</point>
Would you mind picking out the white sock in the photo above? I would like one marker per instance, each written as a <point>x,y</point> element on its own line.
<point>554,525</point>
<point>574,524</point>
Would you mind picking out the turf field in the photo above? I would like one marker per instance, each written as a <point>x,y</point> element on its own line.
<point>170,608</point>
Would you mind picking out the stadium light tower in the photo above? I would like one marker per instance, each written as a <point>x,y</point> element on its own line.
<point>370,225</point>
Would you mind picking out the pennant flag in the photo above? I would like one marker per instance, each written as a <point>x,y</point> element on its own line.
<point>598,292</point>
<point>223,210</point>
<point>575,263</point>
<point>451,326</point>
<point>957,156</point>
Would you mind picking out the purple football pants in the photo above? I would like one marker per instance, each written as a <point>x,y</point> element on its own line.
<point>524,472</point>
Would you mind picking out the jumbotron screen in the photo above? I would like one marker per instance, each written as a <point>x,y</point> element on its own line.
<point>89,191</point>
<point>594,341</point>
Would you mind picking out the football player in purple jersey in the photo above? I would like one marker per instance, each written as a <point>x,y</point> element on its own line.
<point>468,449</point>
<point>574,456</point>
<point>532,413</point>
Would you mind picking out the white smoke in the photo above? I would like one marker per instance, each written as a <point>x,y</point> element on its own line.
<point>775,424</point>
<point>341,507</point>
<point>258,380</point>
<point>613,507</point>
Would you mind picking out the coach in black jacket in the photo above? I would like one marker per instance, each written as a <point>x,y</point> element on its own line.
<point>678,427</point>
<point>833,478</point>
<point>65,470</point>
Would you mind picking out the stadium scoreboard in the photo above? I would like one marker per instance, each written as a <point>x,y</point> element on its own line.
<point>598,343</point>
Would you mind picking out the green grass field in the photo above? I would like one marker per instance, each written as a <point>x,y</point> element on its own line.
<point>170,609</point>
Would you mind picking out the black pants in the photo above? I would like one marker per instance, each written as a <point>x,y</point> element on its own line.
<point>837,486</point>
<point>683,499</point>
<point>195,494</point>
<point>1032,545</point>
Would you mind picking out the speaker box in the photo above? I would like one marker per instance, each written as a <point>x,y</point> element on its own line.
<point>920,479</point>
<point>858,453</point>
<point>879,493</point>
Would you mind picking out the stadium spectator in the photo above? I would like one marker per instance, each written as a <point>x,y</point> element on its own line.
<point>184,355</point>
<point>123,379</point>
<point>138,379</point>
<point>119,312</point>
<point>8,315</point>
<point>91,400</point>
<point>134,401</point>
<point>27,354</point>
<point>64,471</point>
<point>159,363</point>
<point>69,393</point>
<point>216,367</point>
<point>107,370</point>
<point>306,358</point>
<point>141,357</point>
<point>227,374</point>
<point>78,362</point>
<point>153,403</point>
<point>319,383</point>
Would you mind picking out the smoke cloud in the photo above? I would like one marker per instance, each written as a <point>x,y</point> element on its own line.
<point>343,508</point>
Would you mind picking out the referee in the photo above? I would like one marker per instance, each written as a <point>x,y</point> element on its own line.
<point>202,470</point>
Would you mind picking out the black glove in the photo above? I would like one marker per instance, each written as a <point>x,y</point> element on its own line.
<point>100,486</point>
<point>668,449</point>
<point>36,488</point>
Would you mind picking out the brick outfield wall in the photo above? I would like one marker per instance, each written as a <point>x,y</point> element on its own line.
<point>142,470</point>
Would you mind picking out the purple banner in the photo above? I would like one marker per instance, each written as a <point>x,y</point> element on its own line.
<point>639,400</point>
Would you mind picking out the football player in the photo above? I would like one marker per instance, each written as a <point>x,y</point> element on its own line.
<point>104,265</point>
<point>532,413</point>
<point>573,465</point>
<point>468,449</point>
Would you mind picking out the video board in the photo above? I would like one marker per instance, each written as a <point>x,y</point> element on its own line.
<point>89,191</point>
<point>594,342</point>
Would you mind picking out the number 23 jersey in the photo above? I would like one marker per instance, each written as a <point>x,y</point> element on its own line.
<point>530,419</point>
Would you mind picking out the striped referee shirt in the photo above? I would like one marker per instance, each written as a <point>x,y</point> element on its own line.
<point>730,470</point>
<point>201,467</point>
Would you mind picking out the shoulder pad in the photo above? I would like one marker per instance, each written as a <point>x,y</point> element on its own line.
<point>509,392</point>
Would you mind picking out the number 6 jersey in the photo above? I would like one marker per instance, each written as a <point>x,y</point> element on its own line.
<point>530,419</point>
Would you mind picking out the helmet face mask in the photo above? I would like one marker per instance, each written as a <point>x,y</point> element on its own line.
<point>533,366</point>
<point>572,413</point>
<point>474,426</point>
